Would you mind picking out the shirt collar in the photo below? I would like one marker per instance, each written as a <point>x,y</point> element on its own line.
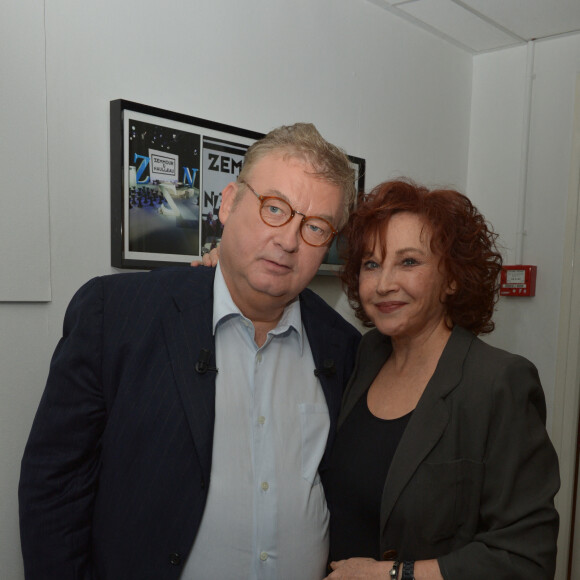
<point>224,308</point>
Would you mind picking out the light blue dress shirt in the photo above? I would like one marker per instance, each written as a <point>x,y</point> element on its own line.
<point>266,516</point>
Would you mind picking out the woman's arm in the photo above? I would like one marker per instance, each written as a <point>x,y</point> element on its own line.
<point>518,523</point>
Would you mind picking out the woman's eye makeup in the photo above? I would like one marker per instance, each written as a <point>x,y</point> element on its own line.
<point>369,264</point>
<point>409,262</point>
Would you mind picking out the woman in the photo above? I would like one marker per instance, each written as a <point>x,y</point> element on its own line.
<point>442,467</point>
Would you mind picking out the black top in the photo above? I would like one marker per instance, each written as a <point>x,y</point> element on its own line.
<point>354,480</point>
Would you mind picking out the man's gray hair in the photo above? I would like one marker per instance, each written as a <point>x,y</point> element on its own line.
<point>303,141</point>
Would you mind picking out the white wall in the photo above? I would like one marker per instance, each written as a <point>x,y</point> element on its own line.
<point>24,233</point>
<point>528,326</point>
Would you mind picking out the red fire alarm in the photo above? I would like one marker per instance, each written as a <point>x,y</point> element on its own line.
<point>518,281</point>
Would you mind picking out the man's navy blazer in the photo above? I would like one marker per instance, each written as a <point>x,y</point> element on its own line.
<point>116,470</point>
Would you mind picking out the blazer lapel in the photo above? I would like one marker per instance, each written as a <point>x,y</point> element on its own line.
<point>188,330</point>
<point>371,357</point>
<point>428,421</point>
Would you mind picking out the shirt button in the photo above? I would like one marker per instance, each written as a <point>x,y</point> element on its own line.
<point>259,357</point>
<point>263,556</point>
<point>265,486</point>
<point>261,419</point>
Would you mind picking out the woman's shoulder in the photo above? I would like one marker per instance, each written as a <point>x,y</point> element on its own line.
<point>509,379</point>
<point>491,356</point>
<point>373,337</point>
<point>374,344</point>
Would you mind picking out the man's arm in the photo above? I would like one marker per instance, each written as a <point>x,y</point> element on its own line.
<point>61,461</point>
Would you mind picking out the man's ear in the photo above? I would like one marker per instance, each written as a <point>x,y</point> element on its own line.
<point>451,287</point>
<point>228,196</point>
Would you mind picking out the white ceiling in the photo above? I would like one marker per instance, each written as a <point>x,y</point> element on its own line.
<point>484,25</point>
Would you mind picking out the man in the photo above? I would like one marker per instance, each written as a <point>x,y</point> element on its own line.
<point>187,410</point>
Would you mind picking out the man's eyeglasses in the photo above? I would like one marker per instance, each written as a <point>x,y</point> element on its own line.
<point>277,212</point>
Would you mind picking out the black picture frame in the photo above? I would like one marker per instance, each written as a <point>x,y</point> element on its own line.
<point>332,261</point>
<point>167,173</point>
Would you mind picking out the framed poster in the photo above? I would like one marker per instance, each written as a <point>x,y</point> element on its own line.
<point>167,174</point>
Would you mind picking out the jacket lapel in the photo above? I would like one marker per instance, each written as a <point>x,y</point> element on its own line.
<point>325,346</point>
<point>188,330</point>
<point>428,421</point>
<point>370,359</point>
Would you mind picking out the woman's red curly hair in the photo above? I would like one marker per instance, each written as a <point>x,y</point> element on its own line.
<point>460,235</point>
